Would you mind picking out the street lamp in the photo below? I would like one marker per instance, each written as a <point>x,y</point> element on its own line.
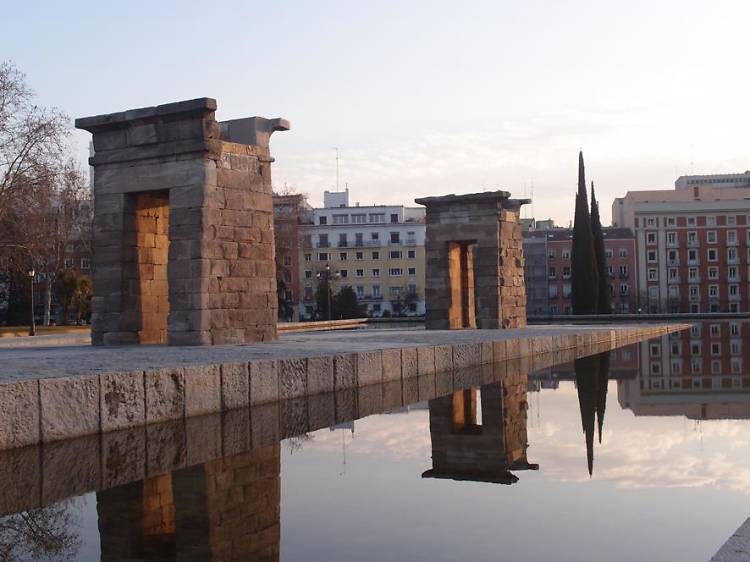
<point>32,326</point>
<point>327,275</point>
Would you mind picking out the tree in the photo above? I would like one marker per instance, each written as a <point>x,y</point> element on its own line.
<point>324,300</point>
<point>604,302</point>
<point>347,305</point>
<point>584,278</point>
<point>73,291</point>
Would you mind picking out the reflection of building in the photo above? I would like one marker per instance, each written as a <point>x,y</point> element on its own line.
<point>226,509</point>
<point>463,449</point>
<point>700,373</point>
<point>377,250</point>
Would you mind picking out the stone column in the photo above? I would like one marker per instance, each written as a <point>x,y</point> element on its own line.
<point>182,207</point>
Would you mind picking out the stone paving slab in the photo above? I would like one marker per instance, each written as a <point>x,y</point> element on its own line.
<point>98,389</point>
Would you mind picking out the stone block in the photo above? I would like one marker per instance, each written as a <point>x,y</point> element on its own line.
<point>321,410</point>
<point>467,377</point>
<point>443,358</point>
<point>166,447</point>
<point>487,354</point>
<point>498,351</point>
<point>391,365</point>
<point>264,382</point>
<point>369,368</point>
<point>203,438</point>
<point>466,355</point>
<point>235,386</point>
<point>69,407</point>
<point>235,431</point>
<point>165,395</point>
<point>345,371</point>
<point>265,424</point>
<point>123,457</point>
<point>319,375</point>
<point>292,378</point>
<point>71,468</point>
<point>409,367</point>
<point>369,400</point>
<point>411,390</point>
<point>499,370</point>
<point>512,348</point>
<point>122,400</point>
<point>202,389</point>
<point>19,414</point>
<point>426,360</point>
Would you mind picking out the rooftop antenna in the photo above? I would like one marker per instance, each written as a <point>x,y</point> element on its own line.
<point>336,148</point>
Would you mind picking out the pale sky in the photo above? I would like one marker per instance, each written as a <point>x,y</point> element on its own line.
<point>422,97</point>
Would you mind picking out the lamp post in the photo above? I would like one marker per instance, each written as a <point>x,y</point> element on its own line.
<point>32,325</point>
<point>327,275</point>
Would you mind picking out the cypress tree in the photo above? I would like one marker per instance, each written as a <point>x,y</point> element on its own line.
<point>604,304</point>
<point>584,277</point>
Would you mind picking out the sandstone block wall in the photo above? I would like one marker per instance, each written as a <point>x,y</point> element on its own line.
<point>183,227</point>
<point>475,263</point>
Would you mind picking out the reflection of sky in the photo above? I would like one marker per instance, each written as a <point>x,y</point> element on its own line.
<point>663,488</point>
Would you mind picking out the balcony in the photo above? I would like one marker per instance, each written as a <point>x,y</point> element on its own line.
<point>673,263</point>
<point>693,243</point>
<point>343,244</point>
<point>410,242</point>
<point>373,243</point>
<point>673,280</point>
<point>323,245</point>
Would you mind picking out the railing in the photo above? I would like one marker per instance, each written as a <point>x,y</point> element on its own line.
<point>323,245</point>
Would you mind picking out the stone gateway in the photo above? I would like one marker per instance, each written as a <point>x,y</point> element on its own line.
<point>183,226</point>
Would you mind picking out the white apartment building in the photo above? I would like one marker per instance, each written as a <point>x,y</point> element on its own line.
<point>378,250</point>
<point>714,180</point>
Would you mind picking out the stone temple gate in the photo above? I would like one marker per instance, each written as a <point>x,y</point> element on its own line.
<point>474,251</point>
<point>183,226</point>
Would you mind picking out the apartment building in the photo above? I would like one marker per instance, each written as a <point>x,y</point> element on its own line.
<point>548,278</point>
<point>290,212</point>
<point>378,250</point>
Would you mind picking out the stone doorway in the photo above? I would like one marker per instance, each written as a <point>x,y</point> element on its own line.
<point>146,264</point>
<point>462,313</point>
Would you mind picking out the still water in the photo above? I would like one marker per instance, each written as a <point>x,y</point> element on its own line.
<point>641,453</point>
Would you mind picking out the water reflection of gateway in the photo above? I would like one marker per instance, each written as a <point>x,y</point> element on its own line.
<point>701,374</point>
<point>463,449</point>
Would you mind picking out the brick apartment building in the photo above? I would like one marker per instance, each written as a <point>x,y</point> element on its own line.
<point>290,214</point>
<point>548,270</point>
<point>693,244</point>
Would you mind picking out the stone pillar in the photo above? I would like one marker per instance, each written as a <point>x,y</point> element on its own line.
<point>474,256</point>
<point>183,226</point>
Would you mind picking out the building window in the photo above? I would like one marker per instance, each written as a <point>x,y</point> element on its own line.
<point>308,257</point>
<point>376,272</point>
<point>375,237</point>
<point>359,272</point>
<point>733,273</point>
<point>411,254</point>
<point>693,274</point>
<point>359,255</point>
<point>394,291</point>
<point>376,307</point>
<point>608,253</point>
<point>323,241</point>
<point>713,272</point>
<point>734,291</point>
<point>376,255</point>
<point>652,255</point>
<point>377,218</point>
<point>308,274</point>
<point>695,349</point>
<point>565,254</point>
<point>552,291</point>
<point>322,220</point>
<point>713,291</point>
<point>714,330</point>
<point>551,254</point>
<point>412,271</point>
<point>623,271</point>
<point>731,237</point>
<point>692,238</point>
<point>671,221</point>
<point>395,254</point>
<point>651,221</point>
<point>360,291</point>
<point>693,256</point>
<point>566,272</point>
<point>86,264</point>
<point>395,272</point>
<point>340,219</point>
<point>343,256</point>
<point>566,290</point>
<point>651,238</point>
<point>672,274</point>
<point>395,238</point>
<point>344,273</point>
<point>552,274</point>
<point>732,255</point>
<point>394,217</point>
<point>731,220</point>
<point>712,254</point>
<point>359,219</point>
<point>323,256</point>
<point>734,329</point>
<point>672,238</point>
<point>624,289</point>
<point>343,242</point>
<point>715,348</point>
<point>711,220</point>
<point>711,236</point>
<point>376,291</point>
<point>653,274</point>
<point>691,221</point>
<point>623,252</point>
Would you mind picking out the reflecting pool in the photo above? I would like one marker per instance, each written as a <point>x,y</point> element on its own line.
<point>640,453</point>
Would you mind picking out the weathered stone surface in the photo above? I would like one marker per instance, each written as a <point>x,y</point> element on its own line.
<point>20,478</point>
<point>294,418</point>
<point>443,383</point>
<point>345,371</point>
<point>512,349</point>
<point>467,355</point>
<point>392,395</point>
<point>411,390</point>
<point>292,378</point>
<point>265,424</point>
<point>71,468</point>
<point>409,366</point>
<point>443,358</point>
<point>122,400</point>
<point>235,431</point>
<point>319,375</point>
<point>69,407</point>
<point>369,368</point>
<point>165,395</point>
<point>19,414</point>
<point>391,365</point>
<point>426,387</point>
<point>235,386</point>
<point>264,382</point>
<point>202,390</point>
<point>426,360</point>
<point>467,376</point>
<point>369,400</point>
<point>346,405</point>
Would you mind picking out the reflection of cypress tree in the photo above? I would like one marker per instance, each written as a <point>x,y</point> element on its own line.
<point>586,369</point>
<point>601,391</point>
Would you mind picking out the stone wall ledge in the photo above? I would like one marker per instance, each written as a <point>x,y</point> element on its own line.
<point>37,410</point>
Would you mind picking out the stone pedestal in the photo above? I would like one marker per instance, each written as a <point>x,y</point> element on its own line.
<point>474,251</point>
<point>183,226</point>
